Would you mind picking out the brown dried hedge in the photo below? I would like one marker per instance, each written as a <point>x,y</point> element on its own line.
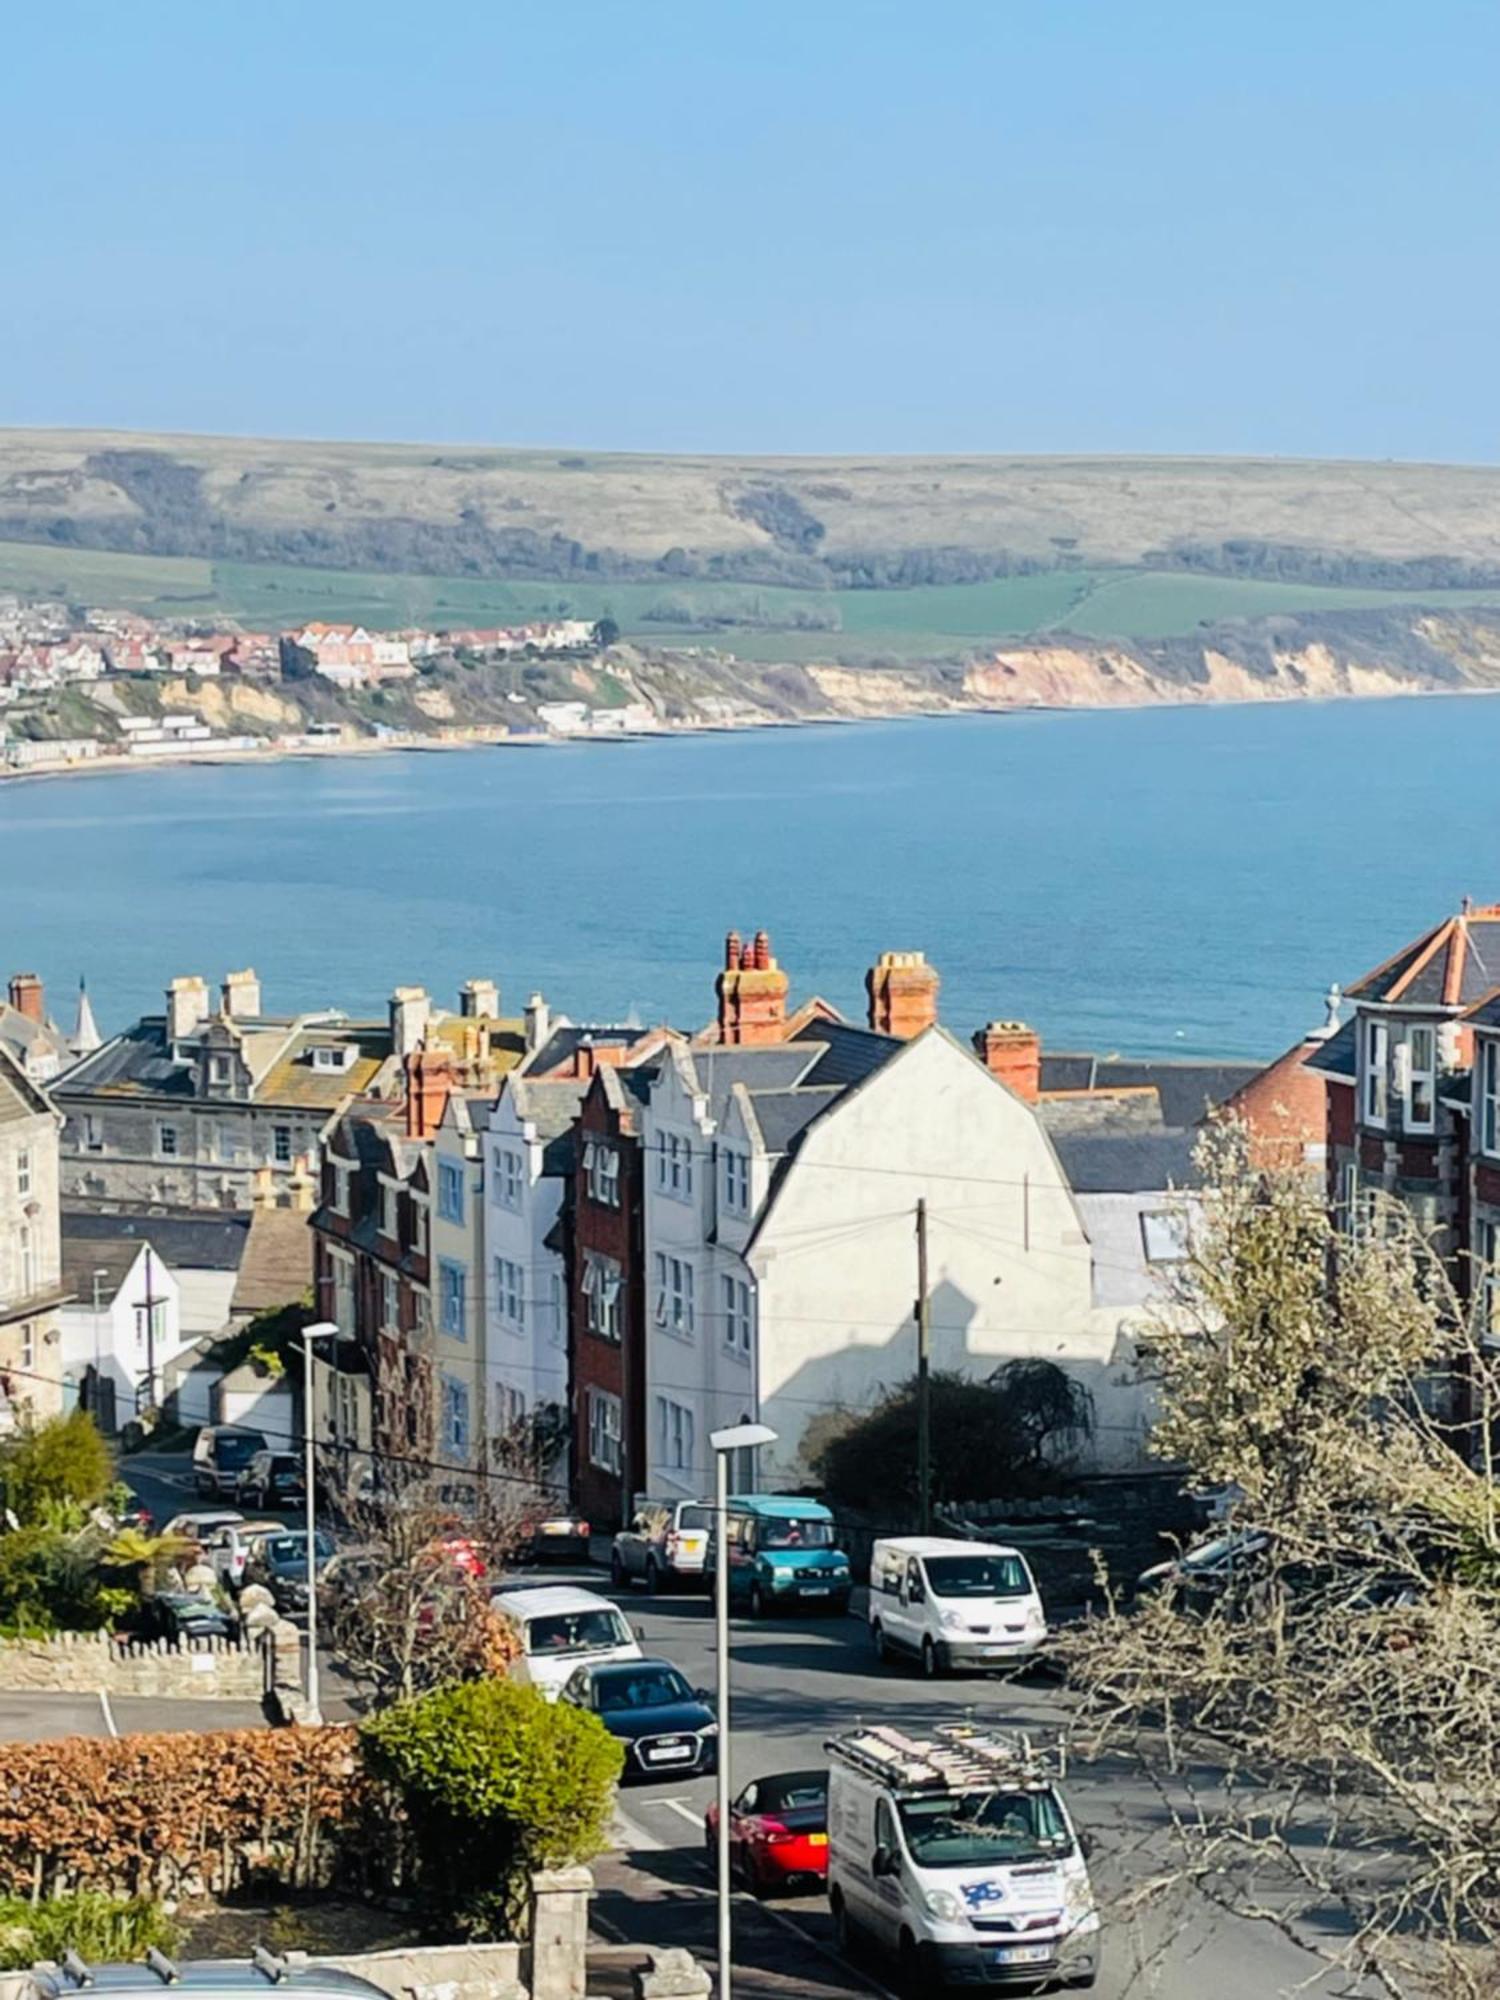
<point>160,1815</point>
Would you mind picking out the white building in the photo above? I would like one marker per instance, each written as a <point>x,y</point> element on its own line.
<point>459,1325</point>
<point>780,1236</point>
<point>529,1155</point>
<point>122,1326</point>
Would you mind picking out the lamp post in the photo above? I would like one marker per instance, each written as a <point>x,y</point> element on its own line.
<point>322,1329</point>
<point>741,1437</point>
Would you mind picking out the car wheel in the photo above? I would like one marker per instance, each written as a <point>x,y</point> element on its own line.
<point>617,1574</point>
<point>931,1665</point>
<point>755,1878</point>
<point>845,1937</point>
<point>653,1576</point>
<point>909,1969</point>
<point>882,1644</point>
<point>757,1601</point>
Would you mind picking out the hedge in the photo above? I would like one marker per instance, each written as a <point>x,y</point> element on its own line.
<point>167,1815</point>
<point>103,1930</point>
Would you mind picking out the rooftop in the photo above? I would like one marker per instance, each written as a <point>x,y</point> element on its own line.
<point>1454,964</point>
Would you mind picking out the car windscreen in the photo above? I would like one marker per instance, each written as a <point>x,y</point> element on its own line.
<point>983,1828</point>
<point>977,1576</point>
<point>647,1687</point>
<point>694,1520</point>
<point>284,1549</point>
<point>237,1447</point>
<point>577,1631</point>
<point>794,1791</point>
<point>770,1534</point>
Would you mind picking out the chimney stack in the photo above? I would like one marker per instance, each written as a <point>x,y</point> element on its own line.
<point>903,990</point>
<point>411,1010</point>
<point>1012,1052</point>
<point>187,1007</point>
<point>479,1000</point>
<point>430,1081</point>
<point>752,991</point>
<point>538,1023</point>
<point>27,997</point>
<point>239,996</point>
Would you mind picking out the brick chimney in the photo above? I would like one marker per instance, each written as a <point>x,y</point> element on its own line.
<point>187,1007</point>
<point>903,990</point>
<point>430,1081</point>
<point>411,1010</point>
<point>752,992</point>
<point>239,996</point>
<point>27,997</point>
<point>1012,1052</point>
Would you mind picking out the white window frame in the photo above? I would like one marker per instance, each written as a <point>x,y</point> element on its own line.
<point>510,1177</point>
<point>390,1210</point>
<point>736,1181</point>
<point>739,1313</point>
<point>676,1287</point>
<point>1487,1279</point>
<point>606,1428</point>
<point>345,1295</point>
<point>453,1301</point>
<point>1374,1085</point>
<point>28,1347</point>
<point>23,1171</point>
<point>220,1069</point>
<point>456,1425</point>
<point>510,1294</point>
<point>1348,1197</point>
<point>603,1278</point>
<point>1421,1076</point>
<point>602,1165</point>
<point>26,1256</point>
<point>390,1301</point>
<point>1164,1235</point>
<point>166,1142</point>
<point>1488,1068</point>
<point>93,1132</point>
<point>676,1443</point>
<point>338,1199</point>
<point>674,1165</point>
<point>282,1153</point>
<point>450,1191</point>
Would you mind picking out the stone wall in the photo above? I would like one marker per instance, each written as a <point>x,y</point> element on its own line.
<point>88,1662</point>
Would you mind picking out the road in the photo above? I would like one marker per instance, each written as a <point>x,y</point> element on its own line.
<point>794,1684</point>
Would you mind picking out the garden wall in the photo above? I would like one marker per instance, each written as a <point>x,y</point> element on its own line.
<point>85,1662</point>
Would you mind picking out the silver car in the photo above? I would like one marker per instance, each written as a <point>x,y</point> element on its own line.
<point>666,1545</point>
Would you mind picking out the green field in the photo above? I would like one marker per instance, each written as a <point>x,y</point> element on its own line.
<point>926,622</point>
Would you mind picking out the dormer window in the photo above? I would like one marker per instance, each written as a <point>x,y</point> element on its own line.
<point>221,1069</point>
<point>333,1056</point>
<point>1421,1091</point>
<point>1377,1050</point>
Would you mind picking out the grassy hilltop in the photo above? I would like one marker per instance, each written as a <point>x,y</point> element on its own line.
<point>789,561</point>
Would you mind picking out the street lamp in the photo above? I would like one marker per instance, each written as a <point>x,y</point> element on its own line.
<point>322,1329</point>
<point>741,1437</point>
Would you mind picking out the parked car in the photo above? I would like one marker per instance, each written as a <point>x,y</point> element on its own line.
<point>205,1979</point>
<point>666,1544</point>
<point>1203,1574</point>
<point>199,1528</point>
<point>778,1832</point>
<point>220,1454</point>
<point>229,1549</point>
<point>952,1604</point>
<point>272,1479</point>
<point>280,1563</point>
<point>186,1614</point>
<point>783,1554</point>
<point>561,1629</point>
<point>560,1537</point>
<point>667,1727</point>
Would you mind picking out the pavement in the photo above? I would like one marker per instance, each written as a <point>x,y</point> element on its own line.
<point>794,1684</point>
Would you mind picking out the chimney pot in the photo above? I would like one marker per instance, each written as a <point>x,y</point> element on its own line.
<point>763,958</point>
<point>752,993</point>
<point>903,993</point>
<point>27,996</point>
<point>239,996</point>
<point>1012,1052</point>
<point>731,950</point>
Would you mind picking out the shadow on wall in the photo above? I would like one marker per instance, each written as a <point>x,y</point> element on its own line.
<point>853,1379</point>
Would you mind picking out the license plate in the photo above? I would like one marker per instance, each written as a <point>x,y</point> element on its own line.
<point>557,1527</point>
<point>1022,1954</point>
<point>815,1590</point>
<point>999,1649</point>
<point>677,1756</point>
<point>817,1840</point>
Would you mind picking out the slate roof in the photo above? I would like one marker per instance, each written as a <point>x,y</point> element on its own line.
<point>19,1096</point>
<point>850,1054</point>
<point>1187,1090</point>
<point>277,1267</point>
<point>187,1241</point>
<point>82,1256</point>
<point>1126,1162</point>
<point>139,1062</point>
<point>1338,1055</point>
<point>30,1041</point>
<point>782,1115</point>
<point>1487,1014</point>
<point>565,1041</point>
<point>1453,965</point>
<point>552,1106</point>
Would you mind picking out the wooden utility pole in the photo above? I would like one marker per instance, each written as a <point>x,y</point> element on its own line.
<point>924,1378</point>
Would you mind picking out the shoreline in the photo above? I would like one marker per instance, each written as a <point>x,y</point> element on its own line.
<point>444,743</point>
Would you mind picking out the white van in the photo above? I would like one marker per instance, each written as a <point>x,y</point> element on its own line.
<point>561,1629</point>
<point>957,1856</point>
<point>952,1603</point>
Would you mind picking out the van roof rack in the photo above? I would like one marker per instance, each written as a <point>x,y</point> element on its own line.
<point>954,1757</point>
<point>163,1967</point>
<point>268,1965</point>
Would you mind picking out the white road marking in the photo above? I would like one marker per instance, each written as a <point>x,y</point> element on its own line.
<point>109,1719</point>
<point>631,1836</point>
<point>682,1810</point>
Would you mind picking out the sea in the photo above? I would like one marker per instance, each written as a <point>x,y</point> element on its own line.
<point>1162,881</point>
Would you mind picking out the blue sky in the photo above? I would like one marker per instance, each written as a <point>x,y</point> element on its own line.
<point>768,225</point>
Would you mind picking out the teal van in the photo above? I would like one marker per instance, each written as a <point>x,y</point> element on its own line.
<point>782,1553</point>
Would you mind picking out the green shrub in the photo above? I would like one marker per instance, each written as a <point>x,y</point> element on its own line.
<point>101,1929</point>
<point>49,1582</point>
<point>496,1782</point>
<point>54,1473</point>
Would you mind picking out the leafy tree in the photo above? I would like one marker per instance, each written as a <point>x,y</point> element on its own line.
<point>59,1468</point>
<point>1345,1675</point>
<point>496,1782</point>
<point>606,632</point>
<point>990,1439</point>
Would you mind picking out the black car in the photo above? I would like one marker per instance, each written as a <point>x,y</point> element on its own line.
<point>280,1564</point>
<point>667,1727</point>
<point>1203,1575</point>
<point>272,1479</point>
<point>184,1614</point>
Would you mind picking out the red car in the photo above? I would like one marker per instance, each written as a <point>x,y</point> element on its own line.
<point>778,1832</point>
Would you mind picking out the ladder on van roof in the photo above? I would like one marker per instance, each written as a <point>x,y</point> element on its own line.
<point>954,1758</point>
